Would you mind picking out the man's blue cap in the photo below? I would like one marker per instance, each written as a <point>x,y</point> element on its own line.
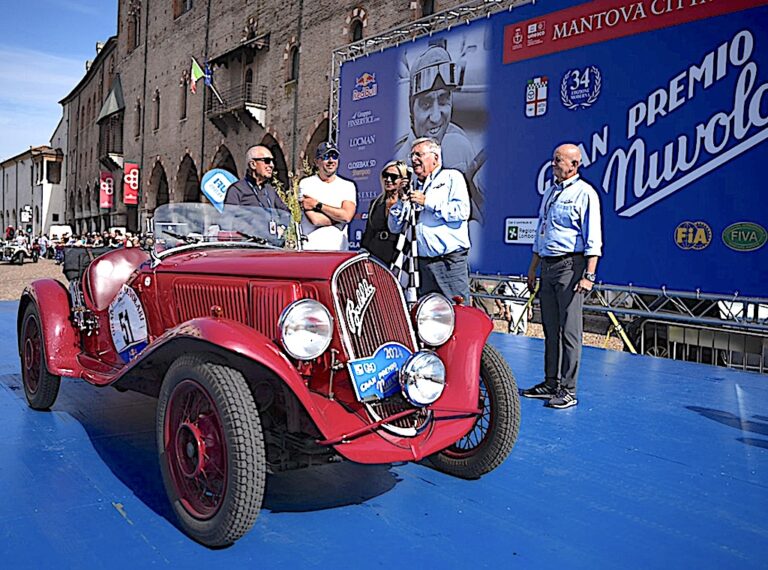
<point>324,147</point>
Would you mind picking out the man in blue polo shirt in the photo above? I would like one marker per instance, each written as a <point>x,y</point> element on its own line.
<point>255,188</point>
<point>442,233</point>
<point>567,246</point>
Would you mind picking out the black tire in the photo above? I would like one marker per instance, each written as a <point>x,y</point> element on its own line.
<point>40,386</point>
<point>19,258</point>
<point>494,434</point>
<point>216,494</point>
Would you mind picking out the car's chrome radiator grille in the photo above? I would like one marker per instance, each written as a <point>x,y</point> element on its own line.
<point>371,308</point>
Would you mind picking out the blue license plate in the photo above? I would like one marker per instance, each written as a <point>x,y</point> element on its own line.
<point>376,377</point>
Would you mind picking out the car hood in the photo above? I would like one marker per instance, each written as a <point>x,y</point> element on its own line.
<point>305,265</point>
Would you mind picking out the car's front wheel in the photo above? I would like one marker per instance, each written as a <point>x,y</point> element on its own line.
<point>40,386</point>
<point>211,450</point>
<point>491,439</point>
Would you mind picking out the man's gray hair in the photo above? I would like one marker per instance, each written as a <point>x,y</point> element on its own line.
<point>432,146</point>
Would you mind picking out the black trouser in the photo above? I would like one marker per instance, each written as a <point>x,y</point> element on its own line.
<point>561,315</point>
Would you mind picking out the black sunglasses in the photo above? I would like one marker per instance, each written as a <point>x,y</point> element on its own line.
<point>332,155</point>
<point>389,177</point>
<point>266,160</point>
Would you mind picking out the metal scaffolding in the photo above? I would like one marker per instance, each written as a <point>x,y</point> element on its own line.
<point>461,15</point>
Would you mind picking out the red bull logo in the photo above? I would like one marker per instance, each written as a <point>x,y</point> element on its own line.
<point>365,87</point>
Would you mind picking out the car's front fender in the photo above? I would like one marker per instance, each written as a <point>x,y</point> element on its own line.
<point>61,339</point>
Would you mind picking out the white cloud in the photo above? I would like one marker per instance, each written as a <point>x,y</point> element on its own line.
<point>31,85</point>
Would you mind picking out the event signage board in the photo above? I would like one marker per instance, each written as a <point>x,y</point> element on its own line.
<point>106,189</point>
<point>131,184</point>
<point>667,99</point>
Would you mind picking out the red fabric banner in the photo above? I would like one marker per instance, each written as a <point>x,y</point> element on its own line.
<point>131,183</point>
<point>604,20</point>
<point>106,189</point>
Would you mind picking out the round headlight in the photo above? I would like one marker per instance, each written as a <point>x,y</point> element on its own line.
<point>306,329</point>
<point>422,378</point>
<point>434,319</point>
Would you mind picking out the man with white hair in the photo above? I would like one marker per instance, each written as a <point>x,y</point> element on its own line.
<point>442,234</point>
<point>568,244</point>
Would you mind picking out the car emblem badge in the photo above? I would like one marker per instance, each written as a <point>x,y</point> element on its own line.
<point>356,312</point>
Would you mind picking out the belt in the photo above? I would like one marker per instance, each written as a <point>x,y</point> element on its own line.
<point>556,258</point>
<point>428,259</point>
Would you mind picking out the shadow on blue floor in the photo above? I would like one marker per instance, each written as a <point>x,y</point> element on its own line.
<point>661,465</point>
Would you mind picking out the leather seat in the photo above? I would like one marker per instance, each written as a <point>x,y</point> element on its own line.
<point>108,273</point>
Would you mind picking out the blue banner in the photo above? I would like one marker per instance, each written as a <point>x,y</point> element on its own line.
<point>667,100</point>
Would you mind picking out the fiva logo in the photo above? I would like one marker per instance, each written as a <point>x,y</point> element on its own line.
<point>745,236</point>
<point>693,235</point>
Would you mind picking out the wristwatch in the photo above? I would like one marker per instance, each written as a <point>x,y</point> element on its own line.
<point>590,276</point>
<point>318,207</point>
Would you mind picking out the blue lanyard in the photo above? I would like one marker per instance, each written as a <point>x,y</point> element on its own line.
<point>270,202</point>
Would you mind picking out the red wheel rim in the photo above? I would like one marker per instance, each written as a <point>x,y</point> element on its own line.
<point>32,355</point>
<point>470,443</point>
<point>195,449</point>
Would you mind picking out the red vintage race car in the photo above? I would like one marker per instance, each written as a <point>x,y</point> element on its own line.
<point>265,359</point>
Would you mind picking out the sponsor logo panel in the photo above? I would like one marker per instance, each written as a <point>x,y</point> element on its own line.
<point>693,235</point>
<point>580,88</point>
<point>520,230</point>
<point>745,236</point>
<point>536,93</point>
<point>365,87</point>
<point>362,118</point>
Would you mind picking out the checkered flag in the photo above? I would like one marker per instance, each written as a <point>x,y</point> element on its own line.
<point>407,249</point>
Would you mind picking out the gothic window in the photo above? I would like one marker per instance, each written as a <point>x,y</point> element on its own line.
<point>134,25</point>
<point>294,63</point>
<point>156,99</point>
<point>137,120</point>
<point>427,7</point>
<point>356,30</point>
<point>184,86</point>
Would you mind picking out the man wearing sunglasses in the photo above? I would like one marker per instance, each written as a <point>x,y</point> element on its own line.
<point>329,203</point>
<point>255,189</point>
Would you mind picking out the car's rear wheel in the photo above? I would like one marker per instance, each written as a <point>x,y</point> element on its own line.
<point>211,450</point>
<point>40,386</point>
<point>491,439</point>
<point>20,258</point>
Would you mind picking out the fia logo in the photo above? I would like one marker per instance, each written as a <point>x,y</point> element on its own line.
<point>536,97</point>
<point>580,89</point>
<point>693,235</point>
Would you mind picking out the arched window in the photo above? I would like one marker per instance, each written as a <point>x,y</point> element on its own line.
<point>248,85</point>
<point>184,85</point>
<point>427,7</point>
<point>137,120</point>
<point>134,25</point>
<point>156,99</point>
<point>356,30</point>
<point>294,63</point>
<point>181,7</point>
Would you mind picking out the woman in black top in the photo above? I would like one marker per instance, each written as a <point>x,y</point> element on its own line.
<point>377,239</point>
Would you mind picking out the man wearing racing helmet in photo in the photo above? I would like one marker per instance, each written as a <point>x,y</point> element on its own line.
<point>434,78</point>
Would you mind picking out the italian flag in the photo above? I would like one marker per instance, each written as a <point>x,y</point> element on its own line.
<point>195,75</point>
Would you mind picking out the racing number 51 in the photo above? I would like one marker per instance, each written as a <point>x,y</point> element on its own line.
<point>125,327</point>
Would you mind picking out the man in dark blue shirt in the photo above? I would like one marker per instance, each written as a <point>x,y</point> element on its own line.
<point>255,189</point>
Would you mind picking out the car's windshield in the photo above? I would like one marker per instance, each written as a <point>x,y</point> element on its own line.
<point>200,224</point>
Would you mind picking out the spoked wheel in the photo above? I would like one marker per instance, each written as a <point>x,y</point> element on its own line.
<point>40,386</point>
<point>491,439</point>
<point>211,450</point>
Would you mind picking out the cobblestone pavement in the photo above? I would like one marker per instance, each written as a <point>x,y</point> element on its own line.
<point>13,278</point>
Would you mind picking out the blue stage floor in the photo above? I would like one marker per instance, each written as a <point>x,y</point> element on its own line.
<point>662,465</point>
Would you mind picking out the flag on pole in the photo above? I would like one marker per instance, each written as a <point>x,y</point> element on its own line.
<point>195,75</point>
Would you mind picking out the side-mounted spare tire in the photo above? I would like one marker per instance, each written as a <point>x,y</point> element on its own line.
<point>491,439</point>
<point>211,449</point>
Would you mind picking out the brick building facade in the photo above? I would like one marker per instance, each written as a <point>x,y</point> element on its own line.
<point>271,62</point>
